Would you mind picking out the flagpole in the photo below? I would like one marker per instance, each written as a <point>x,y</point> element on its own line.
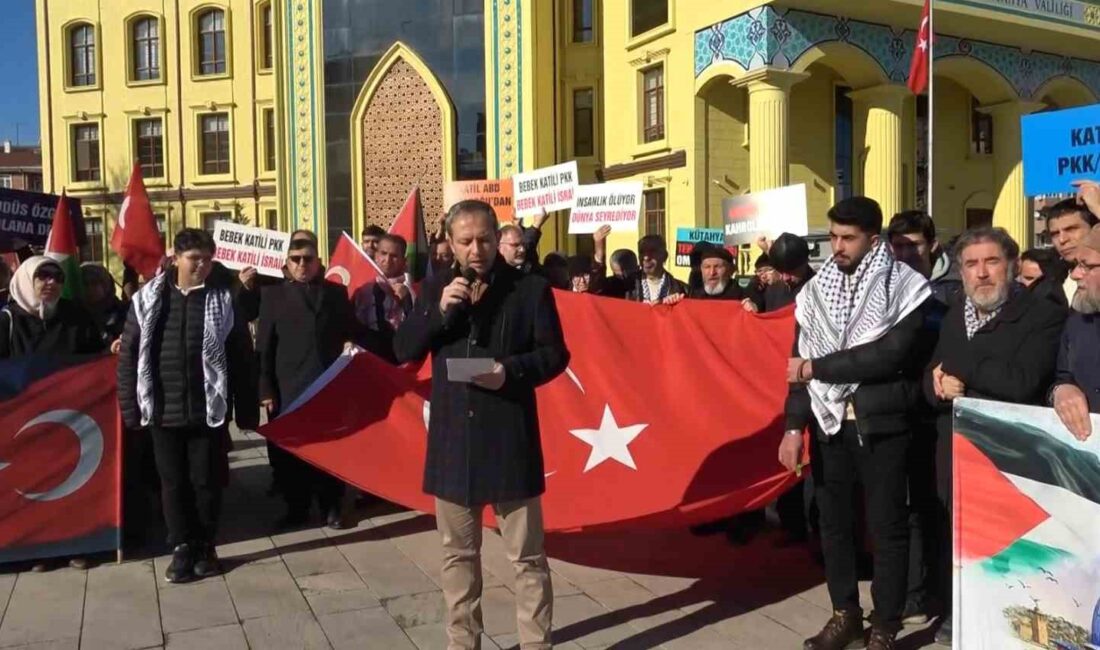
<point>931,103</point>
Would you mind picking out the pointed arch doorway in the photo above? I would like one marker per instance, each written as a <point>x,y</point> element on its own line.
<point>402,135</point>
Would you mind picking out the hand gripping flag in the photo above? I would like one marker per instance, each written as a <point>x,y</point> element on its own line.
<point>136,238</point>
<point>665,416</point>
<point>59,458</point>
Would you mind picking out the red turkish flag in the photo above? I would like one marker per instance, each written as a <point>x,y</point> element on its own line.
<point>59,459</point>
<point>918,67</point>
<point>668,415</point>
<point>136,238</point>
<point>351,267</point>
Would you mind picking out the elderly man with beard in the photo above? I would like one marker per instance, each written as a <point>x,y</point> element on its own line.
<point>1076,391</point>
<point>998,341</point>
<point>853,382</point>
<point>716,271</point>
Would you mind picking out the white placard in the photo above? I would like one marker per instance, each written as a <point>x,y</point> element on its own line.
<point>549,188</point>
<point>613,204</point>
<point>241,246</point>
<point>770,213</point>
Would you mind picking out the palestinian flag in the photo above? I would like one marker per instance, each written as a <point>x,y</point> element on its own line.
<point>1026,527</point>
<point>409,224</point>
<point>61,247</point>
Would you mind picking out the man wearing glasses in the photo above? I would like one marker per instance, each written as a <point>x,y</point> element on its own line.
<point>304,324</point>
<point>1076,391</point>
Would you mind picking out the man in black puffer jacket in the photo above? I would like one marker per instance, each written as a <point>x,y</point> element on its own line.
<point>185,370</point>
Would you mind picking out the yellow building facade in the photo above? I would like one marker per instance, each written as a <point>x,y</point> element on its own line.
<point>340,107</point>
<point>185,89</point>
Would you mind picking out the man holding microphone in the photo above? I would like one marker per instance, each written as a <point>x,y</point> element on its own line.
<point>494,336</point>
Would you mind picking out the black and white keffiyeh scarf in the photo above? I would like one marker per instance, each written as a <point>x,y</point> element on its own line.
<point>662,291</point>
<point>975,320</point>
<point>217,323</point>
<point>838,311</point>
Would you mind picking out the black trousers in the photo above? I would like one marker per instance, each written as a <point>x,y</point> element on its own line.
<point>879,462</point>
<point>189,462</point>
<point>299,482</point>
<point>926,521</point>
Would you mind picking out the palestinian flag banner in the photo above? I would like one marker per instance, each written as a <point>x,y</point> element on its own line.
<point>1026,530</point>
<point>409,223</point>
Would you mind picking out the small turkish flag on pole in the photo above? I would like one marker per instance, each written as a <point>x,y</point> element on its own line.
<point>136,238</point>
<point>351,267</point>
<point>918,67</point>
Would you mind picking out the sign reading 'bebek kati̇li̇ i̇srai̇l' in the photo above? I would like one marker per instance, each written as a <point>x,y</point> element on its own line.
<point>241,246</point>
<point>606,204</point>
<point>549,188</point>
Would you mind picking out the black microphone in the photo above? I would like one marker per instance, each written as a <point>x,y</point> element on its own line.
<point>452,312</point>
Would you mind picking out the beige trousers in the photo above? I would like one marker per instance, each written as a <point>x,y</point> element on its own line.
<point>521,529</point>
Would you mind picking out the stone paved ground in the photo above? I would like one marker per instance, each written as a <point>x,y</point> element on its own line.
<point>377,586</point>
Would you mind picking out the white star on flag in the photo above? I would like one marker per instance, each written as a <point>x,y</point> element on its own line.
<point>609,441</point>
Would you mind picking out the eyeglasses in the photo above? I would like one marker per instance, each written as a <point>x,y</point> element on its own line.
<point>1085,266</point>
<point>301,259</point>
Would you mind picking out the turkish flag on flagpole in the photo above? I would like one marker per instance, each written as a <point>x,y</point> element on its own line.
<point>918,67</point>
<point>136,238</point>
<point>351,267</point>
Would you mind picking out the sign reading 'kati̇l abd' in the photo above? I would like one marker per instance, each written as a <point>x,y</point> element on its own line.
<point>549,188</point>
<point>497,193</point>
<point>243,246</point>
<point>1059,148</point>
<point>606,204</point>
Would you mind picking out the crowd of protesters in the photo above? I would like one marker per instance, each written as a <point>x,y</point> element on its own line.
<point>890,330</point>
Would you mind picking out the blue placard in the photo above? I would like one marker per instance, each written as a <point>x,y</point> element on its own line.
<point>1060,147</point>
<point>693,235</point>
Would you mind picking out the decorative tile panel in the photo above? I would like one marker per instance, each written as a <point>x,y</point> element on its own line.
<point>301,99</point>
<point>506,86</point>
<point>769,37</point>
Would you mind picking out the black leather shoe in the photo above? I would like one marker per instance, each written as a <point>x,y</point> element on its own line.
<point>843,631</point>
<point>182,568</point>
<point>881,640</point>
<point>206,561</point>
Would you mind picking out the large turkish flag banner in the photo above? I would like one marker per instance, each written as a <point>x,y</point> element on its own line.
<point>666,416</point>
<point>59,458</point>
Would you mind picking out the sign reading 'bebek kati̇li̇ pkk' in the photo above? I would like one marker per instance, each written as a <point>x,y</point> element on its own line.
<point>497,193</point>
<point>549,188</point>
<point>240,246</point>
<point>1060,147</point>
<point>770,213</point>
<point>611,204</point>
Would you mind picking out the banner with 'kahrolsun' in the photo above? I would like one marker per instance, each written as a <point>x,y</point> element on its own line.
<point>1027,530</point>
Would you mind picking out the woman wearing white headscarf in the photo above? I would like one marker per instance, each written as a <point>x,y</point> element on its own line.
<point>38,320</point>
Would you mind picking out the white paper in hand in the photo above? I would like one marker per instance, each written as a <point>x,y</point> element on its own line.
<point>464,370</point>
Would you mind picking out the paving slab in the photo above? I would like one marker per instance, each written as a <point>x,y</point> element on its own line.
<point>44,607</point>
<point>329,593</point>
<point>121,611</point>
<point>434,637</point>
<point>585,622</point>
<point>287,632</point>
<point>202,604</point>
<point>385,569</point>
<point>260,590</point>
<point>7,584</point>
<point>226,637</point>
<point>350,630</point>
<point>415,610</point>
<point>315,561</point>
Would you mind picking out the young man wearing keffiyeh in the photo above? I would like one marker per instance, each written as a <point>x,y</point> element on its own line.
<point>854,379</point>
<point>185,369</point>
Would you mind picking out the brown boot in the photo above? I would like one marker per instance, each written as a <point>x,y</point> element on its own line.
<point>881,640</point>
<point>843,631</point>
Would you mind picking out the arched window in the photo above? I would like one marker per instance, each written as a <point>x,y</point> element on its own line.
<point>82,55</point>
<point>146,53</point>
<point>211,43</point>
